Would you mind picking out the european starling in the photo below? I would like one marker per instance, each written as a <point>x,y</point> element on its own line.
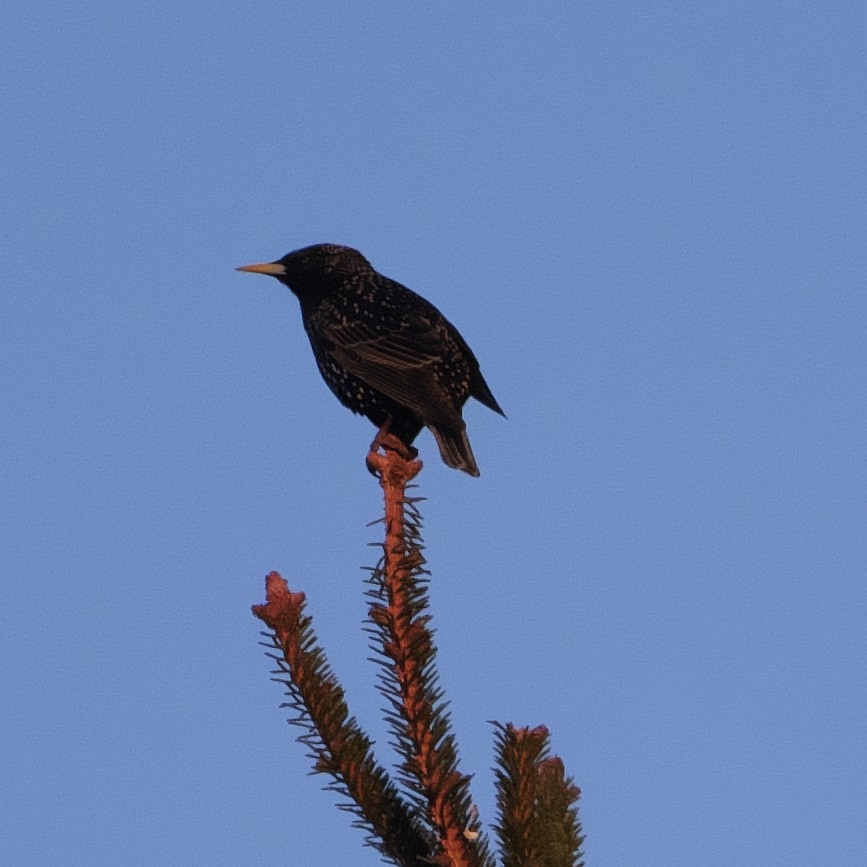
<point>385,351</point>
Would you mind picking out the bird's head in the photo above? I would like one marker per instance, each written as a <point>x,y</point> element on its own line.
<point>312,272</point>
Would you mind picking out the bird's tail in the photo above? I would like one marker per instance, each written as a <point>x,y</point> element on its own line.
<point>455,449</point>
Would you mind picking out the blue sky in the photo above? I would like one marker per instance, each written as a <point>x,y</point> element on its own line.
<point>648,222</point>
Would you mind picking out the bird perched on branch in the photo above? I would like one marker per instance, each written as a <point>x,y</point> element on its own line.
<point>385,351</point>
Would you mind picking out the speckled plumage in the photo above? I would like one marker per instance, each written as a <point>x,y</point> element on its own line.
<point>385,351</point>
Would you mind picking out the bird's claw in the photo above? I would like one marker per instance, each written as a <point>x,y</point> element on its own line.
<point>388,442</point>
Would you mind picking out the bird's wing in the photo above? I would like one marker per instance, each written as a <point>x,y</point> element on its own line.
<point>401,364</point>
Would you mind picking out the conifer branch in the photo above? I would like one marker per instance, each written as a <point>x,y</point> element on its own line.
<point>417,717</point>
<point>557,810</point>
<point>538,817</point>
<point>432,822</point>
<point>335,742</point>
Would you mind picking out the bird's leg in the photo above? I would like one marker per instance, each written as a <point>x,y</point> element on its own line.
<point>385,439</point>
<point>388,442</point>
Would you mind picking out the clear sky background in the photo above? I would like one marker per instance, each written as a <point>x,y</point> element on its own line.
<point>649,222</point>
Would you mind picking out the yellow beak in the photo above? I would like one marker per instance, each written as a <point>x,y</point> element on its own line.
<point>275,269</point>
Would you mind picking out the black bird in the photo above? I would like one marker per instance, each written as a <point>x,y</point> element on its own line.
<point>385,351</point>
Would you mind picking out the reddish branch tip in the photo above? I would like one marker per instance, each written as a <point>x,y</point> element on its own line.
<point>392,459</point>
<point>391,467</point>
<point>282,606</point>
<point>524,732</point>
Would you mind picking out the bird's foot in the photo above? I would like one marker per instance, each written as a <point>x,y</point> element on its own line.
<point>387,441</point>
<point>394,450</point>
